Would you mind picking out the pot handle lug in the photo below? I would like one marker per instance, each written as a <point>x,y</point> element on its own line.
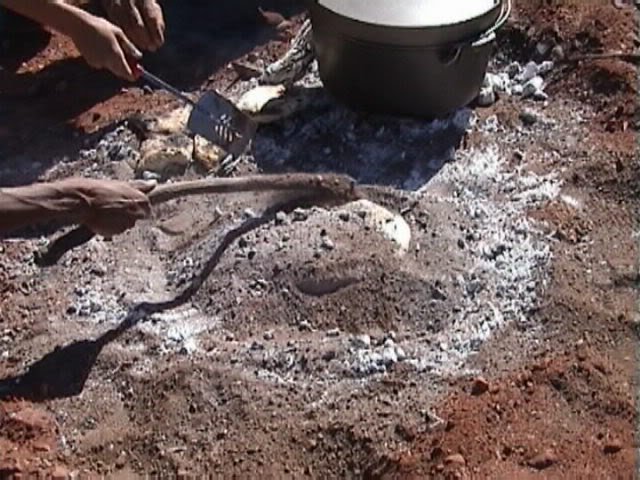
<point>505,13</point>
<point>449,55</point>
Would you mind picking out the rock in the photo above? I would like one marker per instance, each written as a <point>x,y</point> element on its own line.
<point>480,386</point>
<point>545,67</point>
<point>612,446</point>
<point>270,103</point>
<point>329,355</point>
<point>543,460</point>
<point>497,82</point>
<point>455,459</point>
<point>31,420</point>
<point>334,332</point>
<point>517,90</point>
<point>41,446</point>
<point>389,356</point>
<point>530,71</point>
<point>486,97</point>
<point>245,71</point>
<point>393,227</point>
<point>406,432</point>
<point>121,461</point>
<point>540,96</point>
<point>173,122</point>
<point>268,335</point>
<point>60,473</point>
<point>206,154</point>
<point>305,326</point>
<point>300,215</point>
<point>327,243</point>
<point>532,86</point>
<point>528,117</point>
<point>361,341</point>
<point>514,69</point>
<point>249,213</point>
<point>147,175</point>
<point>543,48</point>
<point>400,354</point>
<point>557,53</point>
<point>166,156</point>
<point>281,218</point>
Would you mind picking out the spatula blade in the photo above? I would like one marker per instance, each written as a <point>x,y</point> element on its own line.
<point>219,121</point>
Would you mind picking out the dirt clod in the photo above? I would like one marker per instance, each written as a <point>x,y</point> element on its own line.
<point>543,460</point>
<point>455,459</point>
<point>612,446</point>
<point>479,386</point>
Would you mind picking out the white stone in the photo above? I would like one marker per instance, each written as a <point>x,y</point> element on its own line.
<point>206,154</point>
<point>165,155</point>
<point>545,67</point>
<point>514,69</point>
<point>174,121</point>
<point>486,97</point>
<point>389,356</point>
<point>532,86</point>
<point>361,341</point>
<point>530,71</point>
<point>540,96</point>
<point>392,226</point>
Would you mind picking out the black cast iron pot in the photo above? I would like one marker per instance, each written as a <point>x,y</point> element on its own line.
<point>387,56</point>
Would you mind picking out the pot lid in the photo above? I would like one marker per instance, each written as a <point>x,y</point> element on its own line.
<point>410,13</point>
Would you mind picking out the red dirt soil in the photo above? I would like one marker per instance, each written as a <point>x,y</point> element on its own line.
<point>570,412</point>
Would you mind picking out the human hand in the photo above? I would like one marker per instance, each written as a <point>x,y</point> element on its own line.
<point>104,45</point>
<point>109,207</point>
<point>141,20</point>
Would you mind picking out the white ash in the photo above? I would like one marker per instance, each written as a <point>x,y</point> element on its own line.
<point>392,151</point>
<point>179,330</point>
<point>91,303</point>
<point>508,251</point>
<point>116,146</point>
<point>364,359</point>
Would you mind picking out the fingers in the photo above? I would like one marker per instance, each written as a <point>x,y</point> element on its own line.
<point>154,21</point>
<point>124,52</point>
<point>135,28</point>
<point>141,20</point>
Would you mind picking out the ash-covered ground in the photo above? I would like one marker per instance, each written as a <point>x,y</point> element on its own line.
<point>324,340</point>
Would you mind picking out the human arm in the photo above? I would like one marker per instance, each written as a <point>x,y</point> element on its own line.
<point>107,207</point>
<point>102,44</point>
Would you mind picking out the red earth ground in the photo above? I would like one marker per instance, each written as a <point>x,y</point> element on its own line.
<point>566,411</point>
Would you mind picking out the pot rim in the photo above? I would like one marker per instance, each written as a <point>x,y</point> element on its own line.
<point>483,36</point>
<point>382,19</point>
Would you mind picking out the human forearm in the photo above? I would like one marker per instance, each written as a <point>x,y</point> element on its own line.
<point>56,14</point>
<point>33,204</point>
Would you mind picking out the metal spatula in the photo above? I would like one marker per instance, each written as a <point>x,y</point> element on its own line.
<point>212,117</point>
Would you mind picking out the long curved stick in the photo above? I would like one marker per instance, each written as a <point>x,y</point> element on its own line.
<point>319,189</point>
